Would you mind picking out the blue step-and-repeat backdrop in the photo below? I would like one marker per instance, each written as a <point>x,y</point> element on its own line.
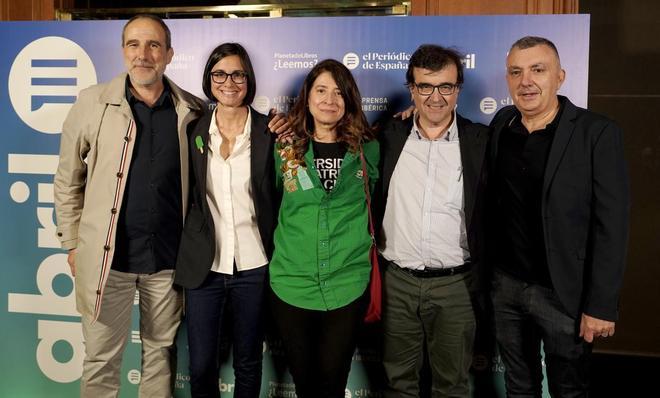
<point>45,64</point>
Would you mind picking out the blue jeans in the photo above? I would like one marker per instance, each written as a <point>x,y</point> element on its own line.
<point>525,315</point>
<point>244,291</point>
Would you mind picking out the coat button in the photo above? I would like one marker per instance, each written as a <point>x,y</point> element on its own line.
<point>120,174</point>
<point>113,210</point>
<point>106,247</point>
<point>59,234</point>
<point>127,138</point>
<point>98,292</point>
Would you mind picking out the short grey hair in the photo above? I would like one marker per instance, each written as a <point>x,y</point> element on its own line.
<point>533,41</point>
<point>152,17</point>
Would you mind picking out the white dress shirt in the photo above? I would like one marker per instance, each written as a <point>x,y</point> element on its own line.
<point>229,195</point>
<point>424,221</point>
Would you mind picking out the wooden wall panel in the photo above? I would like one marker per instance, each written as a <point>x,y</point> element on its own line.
<point>28,10</point>
<point>36,10</point>
<point>491,7</point>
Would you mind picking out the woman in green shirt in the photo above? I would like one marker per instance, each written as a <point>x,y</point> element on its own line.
<point>320,268</point>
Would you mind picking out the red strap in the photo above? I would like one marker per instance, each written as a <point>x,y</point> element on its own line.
<point>375,292</point>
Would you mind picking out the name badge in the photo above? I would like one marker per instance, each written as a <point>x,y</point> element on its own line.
<point>303,178</point>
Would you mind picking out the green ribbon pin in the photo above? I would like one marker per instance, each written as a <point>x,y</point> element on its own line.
<point>199,143</point>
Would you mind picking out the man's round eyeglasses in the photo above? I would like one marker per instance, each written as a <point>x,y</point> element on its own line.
<point>220,76</point>
<point>426,89</point>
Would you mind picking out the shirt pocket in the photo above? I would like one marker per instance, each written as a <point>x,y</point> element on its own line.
<point>454,198</point>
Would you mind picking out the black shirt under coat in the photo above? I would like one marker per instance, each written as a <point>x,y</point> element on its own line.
<point>150,220</point>
<point>518,182</point>
<point>328,155</point>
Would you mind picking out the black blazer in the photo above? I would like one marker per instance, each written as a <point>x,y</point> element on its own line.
<point>197,247</point>
<point>585,209</point>
<point>473,139</point>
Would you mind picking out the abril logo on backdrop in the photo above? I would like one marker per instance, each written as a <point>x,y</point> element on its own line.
<point>43,83</point>
<point>45,79</point>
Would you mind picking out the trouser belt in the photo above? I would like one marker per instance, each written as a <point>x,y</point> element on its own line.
<point>436,272</point>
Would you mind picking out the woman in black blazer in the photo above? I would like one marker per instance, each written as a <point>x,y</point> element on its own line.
<point>227,238</point>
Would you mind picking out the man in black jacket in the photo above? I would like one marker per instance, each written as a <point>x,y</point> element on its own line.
<point>560,209</point>
<point>429,202</point>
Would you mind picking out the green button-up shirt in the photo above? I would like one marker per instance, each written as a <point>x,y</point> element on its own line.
<point>321,258</point>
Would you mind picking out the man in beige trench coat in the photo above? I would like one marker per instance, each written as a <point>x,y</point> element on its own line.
<point>120,193</point>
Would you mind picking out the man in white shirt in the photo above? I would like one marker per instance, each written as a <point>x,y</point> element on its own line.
<point>430,200</point>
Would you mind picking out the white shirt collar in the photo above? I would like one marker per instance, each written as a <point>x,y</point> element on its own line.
<point>452,132</point>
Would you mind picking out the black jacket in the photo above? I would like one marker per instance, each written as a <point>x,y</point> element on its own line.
<point>585,209</point>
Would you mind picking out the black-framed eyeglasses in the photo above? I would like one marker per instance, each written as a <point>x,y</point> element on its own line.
<point>220,76</point>
<point>426,89</point>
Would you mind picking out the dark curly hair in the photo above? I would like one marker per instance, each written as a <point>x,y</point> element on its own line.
<point>434,58</point>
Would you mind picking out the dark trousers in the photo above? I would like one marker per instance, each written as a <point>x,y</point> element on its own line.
<point>427,314</point>
<point>204,313</point>
<point>319,345</point>
<point>526,315</point>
